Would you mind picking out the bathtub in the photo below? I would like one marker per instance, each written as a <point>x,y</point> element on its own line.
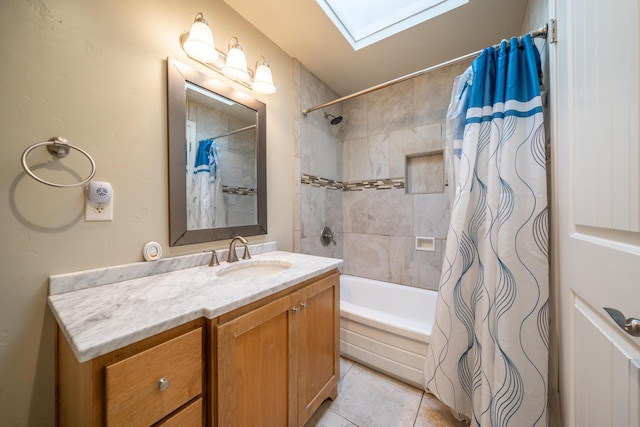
<point>386,326</point>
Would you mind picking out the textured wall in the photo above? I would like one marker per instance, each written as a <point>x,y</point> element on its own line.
<point>95,73</point>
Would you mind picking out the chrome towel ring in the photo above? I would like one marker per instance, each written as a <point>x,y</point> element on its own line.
<point>58,147</point>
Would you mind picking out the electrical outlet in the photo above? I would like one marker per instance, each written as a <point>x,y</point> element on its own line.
<point>98,212</point>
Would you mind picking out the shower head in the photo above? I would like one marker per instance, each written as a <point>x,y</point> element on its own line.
<point>334,119</point>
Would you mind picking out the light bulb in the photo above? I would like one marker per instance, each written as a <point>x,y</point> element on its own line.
<point>199,45</point>
<point>236,65</point>
<point>263,80</point>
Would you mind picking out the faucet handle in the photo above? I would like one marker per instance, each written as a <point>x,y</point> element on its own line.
<point>327,237</point>
<point>214,259</point>
<point>246,254</point>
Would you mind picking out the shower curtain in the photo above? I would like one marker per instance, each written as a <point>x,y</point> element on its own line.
<point>204,189</point>
<point>487,357</point>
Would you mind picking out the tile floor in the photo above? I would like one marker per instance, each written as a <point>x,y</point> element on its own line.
<point>367,398</point>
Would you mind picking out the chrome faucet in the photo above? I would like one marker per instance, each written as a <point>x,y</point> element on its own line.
<point>232,256</point>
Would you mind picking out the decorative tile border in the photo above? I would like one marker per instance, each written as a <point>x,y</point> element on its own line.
<point>241,191</point>
<point>375,184</point>
<point>369,184</point>
<point>316,181</point>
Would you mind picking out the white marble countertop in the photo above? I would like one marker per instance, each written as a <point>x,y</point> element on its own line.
<point>107,316</point>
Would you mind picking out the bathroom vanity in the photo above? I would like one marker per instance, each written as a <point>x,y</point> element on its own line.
<point>198,346</point>
<point>140,384</point>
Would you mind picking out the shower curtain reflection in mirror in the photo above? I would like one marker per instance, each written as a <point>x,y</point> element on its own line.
<point>205,204</point>
<point>221,178</point>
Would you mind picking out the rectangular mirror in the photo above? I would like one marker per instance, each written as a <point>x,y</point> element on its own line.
<point>217,159</point>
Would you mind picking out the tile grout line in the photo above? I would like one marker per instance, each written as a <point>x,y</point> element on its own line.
<point>415,420</point>
<point>352,364</point>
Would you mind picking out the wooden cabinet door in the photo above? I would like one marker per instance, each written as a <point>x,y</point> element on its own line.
<point>317,344</point>
<point>254,367</point>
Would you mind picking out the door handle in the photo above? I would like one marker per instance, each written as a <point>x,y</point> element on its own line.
<point>630,325</point>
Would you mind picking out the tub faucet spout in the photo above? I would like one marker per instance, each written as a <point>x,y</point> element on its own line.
<point>232,256</point>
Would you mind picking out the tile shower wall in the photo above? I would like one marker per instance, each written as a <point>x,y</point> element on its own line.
<point>385,133</point>
<point>397,133</point>
<point>318,153</point>
<point>377,178</point>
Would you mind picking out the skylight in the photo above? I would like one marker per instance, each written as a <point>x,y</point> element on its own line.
<point>364,22</point>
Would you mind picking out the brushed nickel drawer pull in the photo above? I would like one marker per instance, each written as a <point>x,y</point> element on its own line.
<point>163,384</point>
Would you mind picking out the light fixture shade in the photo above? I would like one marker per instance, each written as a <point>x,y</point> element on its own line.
<point>263,80</point>
<point>199,45</point>
<point>236,65</point>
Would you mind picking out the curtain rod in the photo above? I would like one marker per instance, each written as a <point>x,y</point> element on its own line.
<point>541,33</point>
<point>235,131</point>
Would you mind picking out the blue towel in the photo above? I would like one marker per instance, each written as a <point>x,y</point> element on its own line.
<point>207,158</point>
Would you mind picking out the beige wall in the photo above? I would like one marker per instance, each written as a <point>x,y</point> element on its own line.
<point>94,72</point>
<point>536,15</point>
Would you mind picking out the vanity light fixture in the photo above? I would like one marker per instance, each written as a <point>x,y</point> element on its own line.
<point>263,80</point>
<point>199,46</point>
<point>236,65</point>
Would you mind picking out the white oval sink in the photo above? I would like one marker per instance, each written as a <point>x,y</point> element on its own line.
<point>253,269</point>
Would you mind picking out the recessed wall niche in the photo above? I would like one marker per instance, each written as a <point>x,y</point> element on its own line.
<point>424,173</point>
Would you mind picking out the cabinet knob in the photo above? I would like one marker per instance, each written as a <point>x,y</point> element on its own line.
<point>303,305</point>
<point>295,309</point>
<point>163,384</point>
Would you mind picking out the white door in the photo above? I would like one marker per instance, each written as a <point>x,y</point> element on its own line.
<point>596,195</point>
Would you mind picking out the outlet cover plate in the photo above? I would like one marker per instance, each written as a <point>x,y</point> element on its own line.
<point>101,213</point>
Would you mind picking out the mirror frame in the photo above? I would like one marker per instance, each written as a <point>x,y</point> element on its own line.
<point>177,75</point>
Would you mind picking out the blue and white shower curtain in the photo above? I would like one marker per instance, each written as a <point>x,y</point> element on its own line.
<point>204,189</point>
<point>488,351</point>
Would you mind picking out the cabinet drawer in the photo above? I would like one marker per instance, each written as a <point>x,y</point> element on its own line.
<point>190,416</point>
<point>134,396</point>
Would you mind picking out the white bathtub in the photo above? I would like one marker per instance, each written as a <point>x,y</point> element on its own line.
<point>386,326</point>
